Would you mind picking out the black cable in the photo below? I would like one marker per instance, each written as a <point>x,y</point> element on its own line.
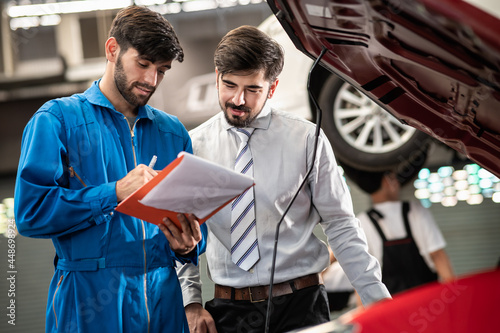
<point>276,236</point>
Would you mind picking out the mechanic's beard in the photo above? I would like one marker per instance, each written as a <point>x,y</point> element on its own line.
<point>126,92</point>
<point>237,121</point>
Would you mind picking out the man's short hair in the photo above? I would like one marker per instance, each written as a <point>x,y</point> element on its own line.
<point>370,182</point>
<point>247,49</point>
<point>148,32</point>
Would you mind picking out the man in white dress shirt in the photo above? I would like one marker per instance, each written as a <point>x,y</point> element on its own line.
<point>281,148</point>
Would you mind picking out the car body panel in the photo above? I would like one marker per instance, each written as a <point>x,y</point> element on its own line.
<point>467,304</point>
<point>434,65</point>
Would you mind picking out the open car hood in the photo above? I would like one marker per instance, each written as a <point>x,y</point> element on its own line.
<point>434,65</point>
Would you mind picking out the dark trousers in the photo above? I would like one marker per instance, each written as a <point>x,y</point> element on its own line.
<point>339,300</point>
<point>305,307</point>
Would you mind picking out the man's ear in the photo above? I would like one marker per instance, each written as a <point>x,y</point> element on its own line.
<point>216,79</point>
<point>272,88</point>
<point>112,49</point>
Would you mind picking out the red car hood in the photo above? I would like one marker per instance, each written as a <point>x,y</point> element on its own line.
<point>434,65</point>
<point>469,304</point>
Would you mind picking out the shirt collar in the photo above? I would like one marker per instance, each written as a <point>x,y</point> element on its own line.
<point>95,96</point>
<point>262,121</point>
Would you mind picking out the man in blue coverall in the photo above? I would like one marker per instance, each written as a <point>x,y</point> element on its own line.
<point>82,155</point>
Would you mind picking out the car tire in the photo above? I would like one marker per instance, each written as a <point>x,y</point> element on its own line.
<point>362,134</point>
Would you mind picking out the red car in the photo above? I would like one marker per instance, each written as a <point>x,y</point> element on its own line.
<point>434,65</point>
<point>467,305</point>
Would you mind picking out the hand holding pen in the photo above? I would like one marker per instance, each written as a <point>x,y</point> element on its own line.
<point>153,161</point>
<point>135,179</point>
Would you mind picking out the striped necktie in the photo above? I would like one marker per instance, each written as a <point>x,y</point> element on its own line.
<point>244,248</point>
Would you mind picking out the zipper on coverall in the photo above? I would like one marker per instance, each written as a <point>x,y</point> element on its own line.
<point>54,298</point>
<point>72,173</point>
<point>132,136</point>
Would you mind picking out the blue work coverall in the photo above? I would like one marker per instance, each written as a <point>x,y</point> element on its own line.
<point>114,273</point>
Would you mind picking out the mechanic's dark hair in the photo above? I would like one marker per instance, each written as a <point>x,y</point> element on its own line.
<point>247,49</point>
<point>148,32</point>
<point>368,181</point>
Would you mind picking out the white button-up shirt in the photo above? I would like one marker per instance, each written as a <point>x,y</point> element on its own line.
<point>282,147</point>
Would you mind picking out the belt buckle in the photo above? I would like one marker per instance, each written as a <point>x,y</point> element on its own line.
<point>251,296</point>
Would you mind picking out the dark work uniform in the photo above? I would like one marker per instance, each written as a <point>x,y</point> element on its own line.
<point>402,265</point>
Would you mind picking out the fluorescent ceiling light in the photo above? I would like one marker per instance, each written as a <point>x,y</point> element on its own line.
<point>24,22</point>
<point>149,2</point>
<point>48,20</point>
<point>81,6</point>
<point>169,8</point>
<point>65,7</point>
<point>193,6</point>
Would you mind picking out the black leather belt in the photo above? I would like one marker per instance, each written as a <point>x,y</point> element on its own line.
<point>261,293</point>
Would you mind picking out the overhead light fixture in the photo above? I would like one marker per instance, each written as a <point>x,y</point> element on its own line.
<point>30,16</point>
<point>199,5</point>
<point>34,21</point>
<point>149,2</point>
<point>68,7</point>
<point>24,22</point>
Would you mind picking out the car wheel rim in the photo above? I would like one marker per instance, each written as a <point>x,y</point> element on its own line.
<point>365,125</point>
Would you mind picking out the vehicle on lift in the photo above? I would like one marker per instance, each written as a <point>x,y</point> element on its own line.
<point>433,65</point>
<point>362,134</point>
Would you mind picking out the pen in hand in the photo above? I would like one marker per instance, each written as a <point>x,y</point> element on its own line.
<point>153,162</point>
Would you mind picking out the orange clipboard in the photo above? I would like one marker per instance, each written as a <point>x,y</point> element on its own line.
<point>133,207</point>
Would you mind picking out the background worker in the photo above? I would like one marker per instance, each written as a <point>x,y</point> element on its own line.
<point>403,236</point>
